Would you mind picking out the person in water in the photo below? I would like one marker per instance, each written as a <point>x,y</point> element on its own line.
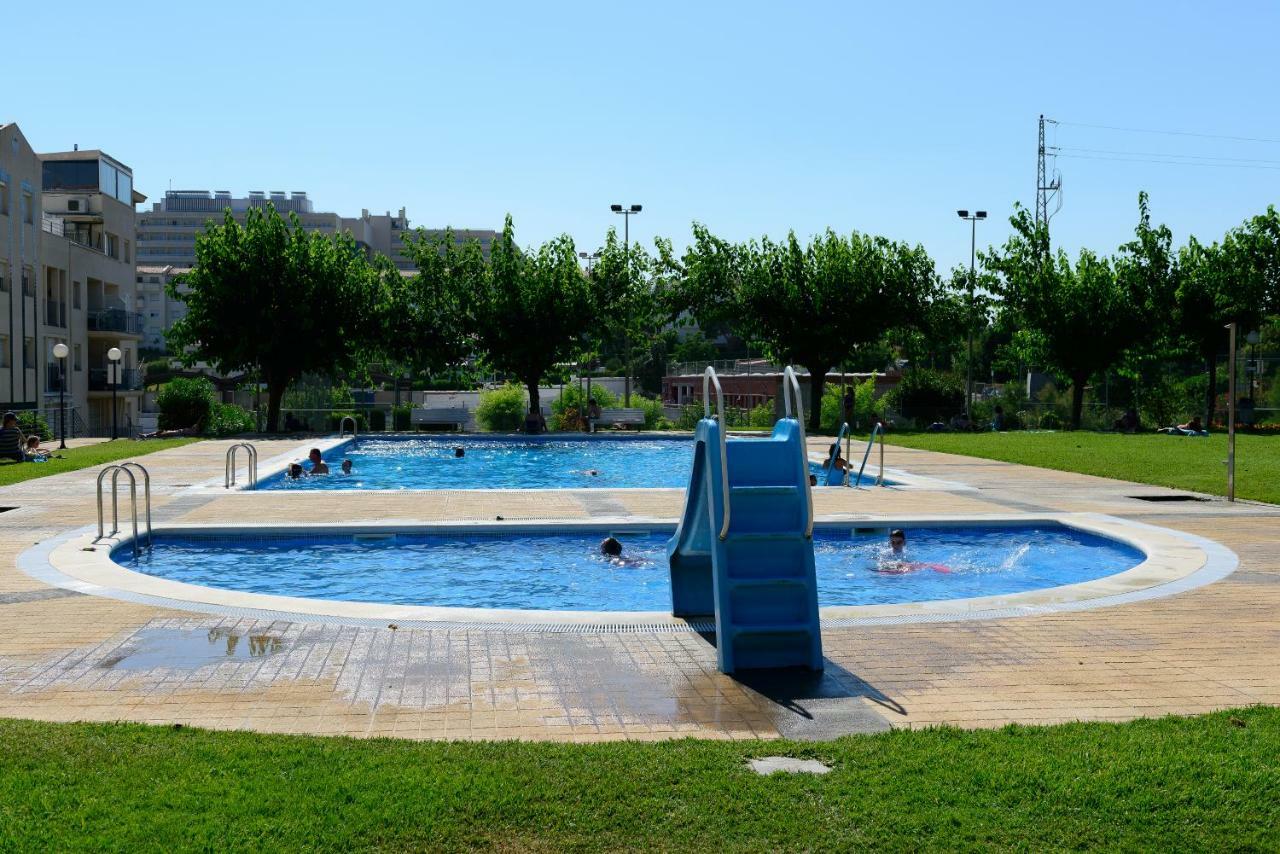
<point>610,547</point>
<point>318,465</point>
<point>295,471</point>
<point>459,452</point>
<point>834,459</point>
<point>894,562</point>
<point>346,466</point>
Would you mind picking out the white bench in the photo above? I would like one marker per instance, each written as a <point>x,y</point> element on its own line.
<point>456,417</point>
<point>621,417</point>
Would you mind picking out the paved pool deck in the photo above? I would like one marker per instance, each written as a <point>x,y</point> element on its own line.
<point>65,655</point>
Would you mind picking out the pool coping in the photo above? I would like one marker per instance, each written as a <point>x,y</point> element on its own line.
<point>1174,562</point>
<point>277,464</point>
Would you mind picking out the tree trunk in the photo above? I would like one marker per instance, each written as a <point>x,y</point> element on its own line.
<point>535,404</point>
<point>817,382</point>
<point>1211,393</point>
<point>1077,398</point>
<point>275,392</point>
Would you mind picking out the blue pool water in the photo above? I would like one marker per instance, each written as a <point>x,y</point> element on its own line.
<point>493,463</point>
<point>566,571</point>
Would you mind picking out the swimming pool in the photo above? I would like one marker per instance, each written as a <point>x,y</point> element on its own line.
<point>504,463</point>
<point>564,570</point>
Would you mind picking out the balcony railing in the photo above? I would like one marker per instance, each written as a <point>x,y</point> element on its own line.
<point>130,379</point>
<point>116,320</point>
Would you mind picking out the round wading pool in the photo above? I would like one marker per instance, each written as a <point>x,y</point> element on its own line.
<point>563,570</point>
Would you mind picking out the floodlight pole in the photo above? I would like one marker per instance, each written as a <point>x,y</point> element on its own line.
<point>626,212</point>
<point>1231,412</point>
<point>973,251</point>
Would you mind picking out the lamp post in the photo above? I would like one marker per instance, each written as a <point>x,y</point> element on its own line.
<point>591,259</point>
<point>113,375</point>
<point>626,254</point>
<point>60,353</point>
<point>973,251</point>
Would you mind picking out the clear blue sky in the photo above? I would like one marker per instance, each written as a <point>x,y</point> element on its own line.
<point>751,117</point>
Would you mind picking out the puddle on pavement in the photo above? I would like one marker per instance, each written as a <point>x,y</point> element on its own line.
<point>190,648</point>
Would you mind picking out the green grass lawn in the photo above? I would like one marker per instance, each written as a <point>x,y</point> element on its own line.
<point>1204,783</point>
<point>1180,462</point>
<point>85,457</point>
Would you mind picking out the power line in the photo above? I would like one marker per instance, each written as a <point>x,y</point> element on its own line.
<point>1168,155</point>
<point>1169,162</point>
<point>1173,133</point>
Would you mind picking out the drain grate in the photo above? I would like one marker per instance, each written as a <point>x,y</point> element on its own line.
<point>1166,498</point>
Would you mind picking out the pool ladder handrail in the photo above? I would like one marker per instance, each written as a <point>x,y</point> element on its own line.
<point>115,472</point>
<point>877,430</point>
<point>252,454</point>
<point>843,435</point>
<point>708,378</point>
<point>790,383</point>
<point>342,427</point>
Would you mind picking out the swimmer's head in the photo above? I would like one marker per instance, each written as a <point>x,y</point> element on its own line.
<point>897,539</point>
<point>610,547</point>
<point>346,466</point>
<point>459,452</point>
<point>295,470</point>
<point>813,480</point>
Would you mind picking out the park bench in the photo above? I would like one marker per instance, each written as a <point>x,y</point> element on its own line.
<point>455,417</point>
<point>621,418</point>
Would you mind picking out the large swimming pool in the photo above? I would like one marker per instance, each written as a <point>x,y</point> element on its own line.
<point>503,463</point>
<point>565,571</point>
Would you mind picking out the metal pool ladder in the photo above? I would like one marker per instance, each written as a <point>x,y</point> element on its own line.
<point>342,427</point>
<point>252,453</point>
<point>115,471</point>
<point>877,430</point>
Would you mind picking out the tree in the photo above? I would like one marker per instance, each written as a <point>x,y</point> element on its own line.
<point>424,319</point>
<point>531,309</point>
<point>1076,318</point>
<point>815,306</point>
<point>623,283</point>
<point>272,298</point>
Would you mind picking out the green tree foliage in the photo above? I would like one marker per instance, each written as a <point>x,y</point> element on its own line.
<point>501,409</point>
<point>425,320</point>
<point>186,403</point>
<point>531,308</point>
<point>814,305</point>
<point>1235,281</point>
<point>635,314</point>
<point>271,298</point>
<point>1077,318</point>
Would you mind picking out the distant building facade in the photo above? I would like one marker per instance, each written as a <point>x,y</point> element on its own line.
<point>67,244</point>
<point>167,241</point>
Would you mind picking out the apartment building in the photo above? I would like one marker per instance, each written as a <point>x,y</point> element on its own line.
<point>167,241</point>
<point>67,238</point>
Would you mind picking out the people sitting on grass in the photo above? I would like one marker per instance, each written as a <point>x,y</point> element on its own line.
<point>11,439</point>
<point>1128,423</point>
<point>997,420</point>
<point>35,453</point>
<point>170,434</point>
<point>318,465</point>
<point>1194,427</point>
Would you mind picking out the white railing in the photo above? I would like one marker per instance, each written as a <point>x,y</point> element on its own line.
<point>877,430</point>
<point>708,378</point>
<point>115,471</point>
<point>252,454</point>
<point>792,385</point>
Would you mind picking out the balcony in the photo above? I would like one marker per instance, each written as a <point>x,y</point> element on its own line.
<point>130,380</point>
<point>55,314</point>
<point>116,320</point>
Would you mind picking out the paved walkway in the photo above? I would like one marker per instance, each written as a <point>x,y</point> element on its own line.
<point>69,656</point>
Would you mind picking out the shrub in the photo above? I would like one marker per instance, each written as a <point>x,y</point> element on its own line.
<point>502,409</point>
<point>1050,421</point>
<point>928,396</point>
<point>566,411</point>
<point>33,424</point>
<point>378,420</point>
<point>186,403</point>
<point>864,405</point>
<point>761,416</point>
<point>400,417</point>
<point>654,416</point>
<point>227,419</point>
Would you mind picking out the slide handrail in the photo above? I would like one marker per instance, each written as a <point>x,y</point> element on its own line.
<point>877,430</point>
<point>708,379</point>
<point>790,383</point>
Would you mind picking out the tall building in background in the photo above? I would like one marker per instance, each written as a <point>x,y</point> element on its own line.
<point>67,238</point>
<point>167,241</point>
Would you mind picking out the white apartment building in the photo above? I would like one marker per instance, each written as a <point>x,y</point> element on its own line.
<point>167,241</point>
<point>67,237</point>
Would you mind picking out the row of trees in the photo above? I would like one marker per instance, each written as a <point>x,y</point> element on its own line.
<point>275,301</point>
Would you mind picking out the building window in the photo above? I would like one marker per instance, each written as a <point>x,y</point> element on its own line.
<point>128,255</point>
<point>113,246</point>
<point>28,283</point>
<point>4,351</point>
<point>4,199</point>
<point>75,357</point>
<point>4,276</point>
<point>75,295</point>
<point>28,353</point>
<point>27,205</point>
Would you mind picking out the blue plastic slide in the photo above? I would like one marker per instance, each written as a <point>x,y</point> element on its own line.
<point>744,548</point>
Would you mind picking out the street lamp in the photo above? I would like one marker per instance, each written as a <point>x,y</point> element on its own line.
<point>60,353</point>
<point>973,250</point>
<point>626,254</point>
<point>113,374</point>
<point>591,259</point>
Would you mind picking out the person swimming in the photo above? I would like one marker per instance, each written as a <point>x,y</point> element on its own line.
<point>318,465</point>
<point>611,548</point>
<point>893,563</point>
<point>295,471</point>
<point>459,452</point>
<point>346,466</point>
